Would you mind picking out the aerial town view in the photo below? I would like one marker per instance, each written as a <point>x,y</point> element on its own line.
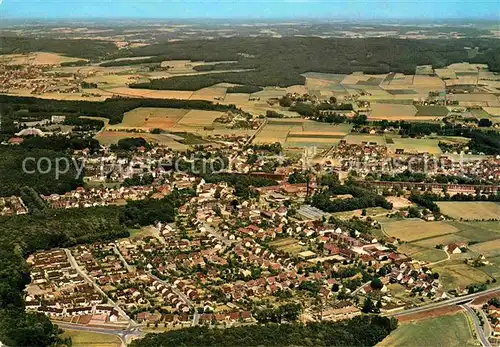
<point>247,173</point>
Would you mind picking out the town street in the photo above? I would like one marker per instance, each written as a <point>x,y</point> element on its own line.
<point>75,265</point>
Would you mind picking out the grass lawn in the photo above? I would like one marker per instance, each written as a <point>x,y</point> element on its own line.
<point>85,339</point>
<point>453,330</point>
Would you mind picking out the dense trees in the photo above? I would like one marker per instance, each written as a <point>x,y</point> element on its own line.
<point>113,109</point>
<point>92,49</point>
<point>362,198</point>
<point>21,235</point>
<point>360,331</point>
<point>244,89</point>
<point>280,62</point>
<point>18,168</point>
<point>146,212</point>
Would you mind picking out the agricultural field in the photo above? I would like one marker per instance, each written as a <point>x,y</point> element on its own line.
<point>480,210</point>
<point>86,339</point>
<point>392,111</point>
<point>288,245</point>
<point>151,117</point>
<point>359,138</point>
<point>431,111</point>
<point>430,243</point>
<point>417,229</point>
<point>448,330</point>
<point>36,58</point>
<point>298,132</point>
<point>414,145</point>
<point>112,137</point>
<point>455,274</point>
<point>478,231</point>
<point>488,249</point>
<point>430,255</point>
<point>198,118</point>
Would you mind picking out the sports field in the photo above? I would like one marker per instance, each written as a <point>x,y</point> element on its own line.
<point>470,210</point>
<point>416,229</point>
<point>447,330</point>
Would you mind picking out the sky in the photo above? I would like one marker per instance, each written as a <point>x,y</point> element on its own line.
<point>256,9</point>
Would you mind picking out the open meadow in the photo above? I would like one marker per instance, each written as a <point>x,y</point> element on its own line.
<point>392,112</point>
<point>454,274</point>
<point>470,210</point>
<point>448,330</point>
<point>416,229</point>
<point>90,339</point>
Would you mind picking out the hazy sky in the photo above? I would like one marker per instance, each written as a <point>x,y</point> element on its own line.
<point>354,9</point>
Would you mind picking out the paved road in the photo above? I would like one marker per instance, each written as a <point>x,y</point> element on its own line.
<point>196,316</point>
<point>117,252</point>
<point>479,330</point>
<point>82,273</point>
<point>449,302</point>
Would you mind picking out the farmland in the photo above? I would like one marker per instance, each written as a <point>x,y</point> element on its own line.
<point>36,58</point>
<point>448,330</point>
<point>288,245</point>
<point>455,274</point>
<point>415,145</point>
<point>297,132</point>
<point>481,210</point>
<point>416,229</point>
<point>392,111</point>
<point>112,137</point>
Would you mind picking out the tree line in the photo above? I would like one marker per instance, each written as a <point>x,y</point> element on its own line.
<point>360,331</point>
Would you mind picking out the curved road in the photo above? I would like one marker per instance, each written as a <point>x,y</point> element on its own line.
<point>454,301</point>
<point>480,332</point>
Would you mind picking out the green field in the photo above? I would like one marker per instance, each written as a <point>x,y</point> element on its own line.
<point>89,339</point>
<point>478,231</point>
<point>453,330</point>
<point>455,274</point>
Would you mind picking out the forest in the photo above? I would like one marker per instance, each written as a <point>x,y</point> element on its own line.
<point>89,49</point>
<point>361,198</point>
<point>280,62</point>
<point>43,180</point>
<point>360,331</point>
<point>16,108</point>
